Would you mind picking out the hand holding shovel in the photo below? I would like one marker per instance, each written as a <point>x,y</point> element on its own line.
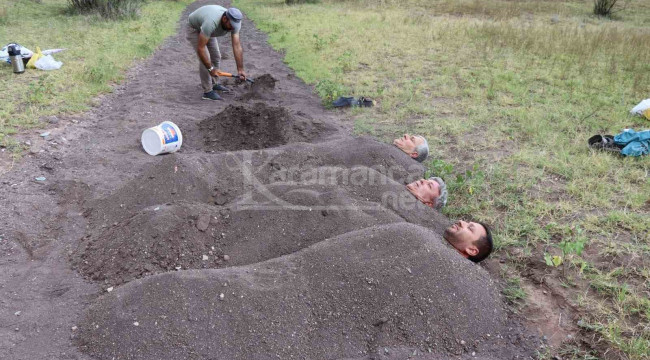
<point>220,73</point>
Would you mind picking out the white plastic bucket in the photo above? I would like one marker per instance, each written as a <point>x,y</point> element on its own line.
<point>161,139</point>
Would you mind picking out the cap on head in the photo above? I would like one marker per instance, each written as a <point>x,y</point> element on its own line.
<point>234,15</point>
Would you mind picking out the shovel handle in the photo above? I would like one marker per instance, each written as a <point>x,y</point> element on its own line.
<point>219,73</point>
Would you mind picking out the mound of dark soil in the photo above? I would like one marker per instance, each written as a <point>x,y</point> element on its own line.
<point>261,89</point>
<point>361,295</point>
<point>265,82</point>
<point>257,127</point>
<point>173,178</point>
<point>349,152</point>
<point>194,236</point>
<point>218,178</point>
<point>367,151</point>
<point>338,189</point>
<point>160,238</point>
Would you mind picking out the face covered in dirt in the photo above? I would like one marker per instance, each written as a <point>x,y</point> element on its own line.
<point>427,191</point>
<point>463,237</point>
<point>408,143</point>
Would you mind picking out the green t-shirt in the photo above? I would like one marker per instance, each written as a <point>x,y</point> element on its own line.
<point>207,19</point>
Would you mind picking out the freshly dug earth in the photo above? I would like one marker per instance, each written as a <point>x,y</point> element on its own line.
<point>262,89</point>
<point>195,236</point>
<point>257,127</point>
<point>172,178</point>
<point>363,294</point>
<point>219,178</point>
<point>265,82</point>
<point>271,221</point>
<point>157,239</point>
<point>348,152</point>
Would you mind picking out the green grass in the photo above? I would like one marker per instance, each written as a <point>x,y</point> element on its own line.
<point>512,289</point>
<point>507,93</point>
<point>99,51</point>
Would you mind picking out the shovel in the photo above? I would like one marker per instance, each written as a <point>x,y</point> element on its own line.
<point>219,73</point>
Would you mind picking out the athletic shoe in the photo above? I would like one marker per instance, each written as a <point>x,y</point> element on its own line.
<point>211,95</point>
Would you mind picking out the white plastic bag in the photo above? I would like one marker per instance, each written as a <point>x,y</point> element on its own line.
<point>641,108</point>
<point>47,62</point>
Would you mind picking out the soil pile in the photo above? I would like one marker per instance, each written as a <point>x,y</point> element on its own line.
<point>178,215</point>
<point>219,178</point>
<point>346,152</point>
<point>337,190</point>
<point>160,238</point>
<point>367,151</point>
<point>261,89</point>
<point>265,82</point>
<point>361,294</point>
<point>257,127</point>
<point>195,236</point>
<point>173,178</point>
<point>370,292</point>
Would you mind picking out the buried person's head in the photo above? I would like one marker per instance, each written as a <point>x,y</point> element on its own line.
<point>431,192</point>
<point>473,240</point>
<point>414,145</point>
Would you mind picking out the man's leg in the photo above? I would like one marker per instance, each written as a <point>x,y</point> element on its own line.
<point>215,57</point>
<point>206,79</point>
<point>215,54</point>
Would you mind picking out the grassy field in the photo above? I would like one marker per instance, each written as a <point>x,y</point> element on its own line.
<point>98,53</point>
<point>507,93</point>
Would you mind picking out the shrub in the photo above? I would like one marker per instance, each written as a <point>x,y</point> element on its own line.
<point>604,7</point>
<point>329,90</point>
<point>109,9</point>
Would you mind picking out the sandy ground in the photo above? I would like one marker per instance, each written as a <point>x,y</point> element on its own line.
<point>272,234</point>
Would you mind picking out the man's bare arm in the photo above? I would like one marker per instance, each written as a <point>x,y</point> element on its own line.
<point>239,55</point>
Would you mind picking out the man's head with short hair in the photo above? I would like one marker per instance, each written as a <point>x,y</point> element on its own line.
<point>431,192</point>
<point>415,146</point>
<point>473,240</point>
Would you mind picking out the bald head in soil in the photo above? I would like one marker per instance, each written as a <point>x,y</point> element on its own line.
<point>389,287</point>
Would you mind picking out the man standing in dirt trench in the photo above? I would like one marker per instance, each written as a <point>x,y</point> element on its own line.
<point>205,24</point>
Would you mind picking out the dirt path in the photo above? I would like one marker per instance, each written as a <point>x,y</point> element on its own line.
<point>108,216</point>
